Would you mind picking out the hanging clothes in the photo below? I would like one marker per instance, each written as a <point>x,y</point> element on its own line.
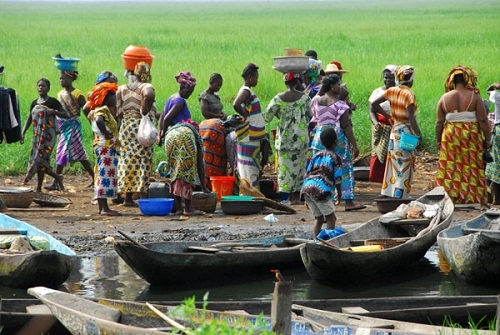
<point>10,116</point>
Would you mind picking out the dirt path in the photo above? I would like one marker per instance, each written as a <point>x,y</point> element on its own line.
<point>81,228</point>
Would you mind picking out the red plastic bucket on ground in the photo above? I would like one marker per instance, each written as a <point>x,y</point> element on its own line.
<point>223,185</point>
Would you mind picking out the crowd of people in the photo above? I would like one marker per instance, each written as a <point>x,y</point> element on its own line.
<point>314,140</point>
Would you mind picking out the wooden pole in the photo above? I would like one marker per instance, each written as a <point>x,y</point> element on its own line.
<point>281,308</point>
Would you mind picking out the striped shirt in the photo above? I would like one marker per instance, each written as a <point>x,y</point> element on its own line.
<point>400,97</point>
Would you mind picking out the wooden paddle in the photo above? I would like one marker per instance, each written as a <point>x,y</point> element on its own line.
<point>171,321</point>
<point>132,240</point>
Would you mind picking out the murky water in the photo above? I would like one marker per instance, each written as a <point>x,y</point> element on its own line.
<point>108,276</point>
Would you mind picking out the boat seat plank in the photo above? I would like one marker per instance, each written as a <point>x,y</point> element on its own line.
<point>38,309</point>
<point>13,231</point>
<point>389,240</point>
<point>421,221</point>
<point>202,249</point>
<point>353,310</point>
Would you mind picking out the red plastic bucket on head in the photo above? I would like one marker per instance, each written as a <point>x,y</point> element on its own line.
<point>223,185</point>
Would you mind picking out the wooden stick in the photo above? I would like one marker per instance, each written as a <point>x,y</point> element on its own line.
<point>327,244</point>
<point>171,321</point>
<point>131,239</point>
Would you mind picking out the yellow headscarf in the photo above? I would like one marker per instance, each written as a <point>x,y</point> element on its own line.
<point>470,78</point>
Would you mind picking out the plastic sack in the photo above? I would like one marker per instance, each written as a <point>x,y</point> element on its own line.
<point>147,132</point>
<point>326,234</point>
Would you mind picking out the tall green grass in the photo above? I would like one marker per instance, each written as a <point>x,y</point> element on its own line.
<point>432,36</point>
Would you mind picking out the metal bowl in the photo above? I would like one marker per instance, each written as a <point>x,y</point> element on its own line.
<point>245,207</point>
<point>291,63</point>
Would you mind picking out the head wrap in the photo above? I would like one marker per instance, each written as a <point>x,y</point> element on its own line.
<point>73,75</point>
<point>250,69</point>
<point>288,76</point>
<point>313,69</point>
<point>185,79</point>
<point>98,93</point>
<point>470,78</point>
<point>404,74</point>
<point>106,76</point>
<point>143,72</point>
<point>390,68</point>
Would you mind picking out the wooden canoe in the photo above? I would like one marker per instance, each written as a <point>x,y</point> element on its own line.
<point>39,267</point>
<point>15,318</point>
<point>117,317</point>
<point>418,309</point>
<point>324,317</point>
<point>472,249</point>
<point>335,262</point>
<point>196,263</point>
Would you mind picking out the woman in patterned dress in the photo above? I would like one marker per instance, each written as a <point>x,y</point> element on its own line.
<point>133,100</point>
<point>184,153</point>
<point>292,108</point>
<point>462,133</point>
<point>70,148</point>
<point>249,137</point>
<point>381,127</point>
<point>212,130</point>
<point>102,99</point>
<point>42,116</point>
<point>329,111</point>
<point>400,166</point>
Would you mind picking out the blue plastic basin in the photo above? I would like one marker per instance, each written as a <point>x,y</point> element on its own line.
<point>156,206</point>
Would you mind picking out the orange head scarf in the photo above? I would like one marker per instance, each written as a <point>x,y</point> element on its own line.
<point>98,93</point>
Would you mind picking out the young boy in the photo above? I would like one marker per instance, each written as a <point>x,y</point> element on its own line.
<point>319,183</point>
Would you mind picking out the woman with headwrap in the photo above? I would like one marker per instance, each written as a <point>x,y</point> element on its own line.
<point>400,165</point>
<point>212,130</point>
<point>133,100</point>
<point>176,108</point>
<point>42,116</point>
<point>462,134</point>
<point>102,103</point>
<point>292,108</point>
<point>330,112</point>
<point>312,78</point>
<point>184,157</point>
<point>381,129</point>
<point>253,131</point>
<point>493,168</point>
<point>70,148</point>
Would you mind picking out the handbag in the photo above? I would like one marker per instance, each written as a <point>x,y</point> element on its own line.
<point>408,141</point>
<point>147,132</point>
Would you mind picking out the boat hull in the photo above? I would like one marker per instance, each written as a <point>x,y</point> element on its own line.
<point>335,264</point>
<point>49,268</point>
<point>473,249</point>
<point>172,263</point>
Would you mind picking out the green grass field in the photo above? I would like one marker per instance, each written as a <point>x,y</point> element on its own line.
<point>432,36</point>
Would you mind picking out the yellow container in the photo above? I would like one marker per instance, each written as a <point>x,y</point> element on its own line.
<point>365,248</point>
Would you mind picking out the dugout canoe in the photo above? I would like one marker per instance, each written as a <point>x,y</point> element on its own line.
<point>472,249</point>
<point>325,317</point>
<point>50,266</point>
<point>118,317</point>
<point>204,263</point>
<point>399,244</point>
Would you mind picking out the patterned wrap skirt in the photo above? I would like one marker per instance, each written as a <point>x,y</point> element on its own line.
<point>460,165</point>
<point>493,168</point>
<point>400,166</point>
<point>136,160</point>
<point>106,171</point>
